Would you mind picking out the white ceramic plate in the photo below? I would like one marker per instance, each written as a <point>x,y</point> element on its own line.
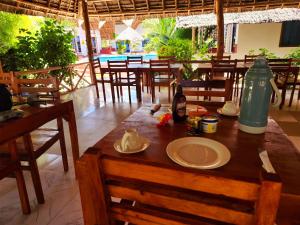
<point>146,143</point>
<point>219,110</point>
<point>198,152</point>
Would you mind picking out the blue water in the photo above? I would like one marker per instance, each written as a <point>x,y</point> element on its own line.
<point>105,57</point>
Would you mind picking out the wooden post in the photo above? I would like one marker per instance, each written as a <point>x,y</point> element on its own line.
<point>89,43</point>
<point>193,37</point>
<point>220,28</point>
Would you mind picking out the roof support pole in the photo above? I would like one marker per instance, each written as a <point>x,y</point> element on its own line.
<point>89,43</point>
<point>220,28</point>
<point>193,38</point>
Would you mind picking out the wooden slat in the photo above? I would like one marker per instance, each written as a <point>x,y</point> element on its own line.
<point>143,215</point>
<point>268,201</point>
<point>205,93</point>
<point>36,81</point>
<point>88,182</point>
<point>182,179</point>
<point>181,205</point>
<point>37,89</point>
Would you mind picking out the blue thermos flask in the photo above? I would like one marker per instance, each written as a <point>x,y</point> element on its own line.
<point>258,87</point>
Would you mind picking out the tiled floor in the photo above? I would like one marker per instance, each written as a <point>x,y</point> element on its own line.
<point>94,120</point>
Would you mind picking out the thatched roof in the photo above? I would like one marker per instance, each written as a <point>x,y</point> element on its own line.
<point>120,9</point>
<point>262,16</point>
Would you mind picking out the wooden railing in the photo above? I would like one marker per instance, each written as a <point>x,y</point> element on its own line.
<point>79,76</point>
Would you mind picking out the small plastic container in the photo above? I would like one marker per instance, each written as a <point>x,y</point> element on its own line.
<point>209,124</point>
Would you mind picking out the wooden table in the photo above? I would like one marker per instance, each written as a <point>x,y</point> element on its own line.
<point>35,117</point>
<point>143,68</point>
<point>244,164</point>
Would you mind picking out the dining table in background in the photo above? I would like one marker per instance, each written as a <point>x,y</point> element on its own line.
<point>245,163</point>
<point>35,117</point>
<point>144,68</point>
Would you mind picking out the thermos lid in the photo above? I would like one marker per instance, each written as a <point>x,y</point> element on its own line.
<point>260,62</point>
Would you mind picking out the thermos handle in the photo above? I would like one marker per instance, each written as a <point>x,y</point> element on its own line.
<point>278,95</point>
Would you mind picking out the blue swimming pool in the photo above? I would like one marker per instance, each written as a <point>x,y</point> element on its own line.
<point>105,57</point>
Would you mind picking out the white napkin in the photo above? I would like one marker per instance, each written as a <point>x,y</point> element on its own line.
<point>267,165</point>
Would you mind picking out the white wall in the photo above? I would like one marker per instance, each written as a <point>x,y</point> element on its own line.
<point>255,36</point>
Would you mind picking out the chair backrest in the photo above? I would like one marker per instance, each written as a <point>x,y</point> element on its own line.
<point>282,64</point>
<point>96,64</point>
<point>221,89</point>
<point>117,66</point>
<point>165,195</point>
<point>1,70</point>
<point>224,57</point>
<point>43,88</point>
<point>135,59</point>
<point>222,67</point>
<point>8,80</point>
<point>160,66</point>
<point>250,58</point>
<point>281,69</point>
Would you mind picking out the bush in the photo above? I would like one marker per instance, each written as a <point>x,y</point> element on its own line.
<point>264,52</point>
<point>181,49</point>
<point>121,48</point>
<point>50,46</point>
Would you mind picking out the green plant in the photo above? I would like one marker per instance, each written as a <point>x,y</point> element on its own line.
<point>10,24</point>
<point>294,54</point>
<point>181,49</point>
<point>47,47</point>
<point>121,48</point>
<point>159,32</point>
<point>203,49</point>
<point>264,52</point>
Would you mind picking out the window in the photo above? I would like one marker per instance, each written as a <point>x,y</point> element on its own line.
<point>290,34</point>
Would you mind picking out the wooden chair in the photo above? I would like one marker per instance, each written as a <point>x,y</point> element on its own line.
<point>32,146</point>
<point>100,76</point>
<point>281,69</point>
<point>135,59</point>
<point>192,91</point>
<point>116,71</point>
<point>295,82</point>
<point>250,58</point>
<point>161,76</point>
<point>144,77</point>
<point>225,69</point>
<point>171,58</point>
<point>169,195</point>
<point>11,165</point>
<point>224,57</point>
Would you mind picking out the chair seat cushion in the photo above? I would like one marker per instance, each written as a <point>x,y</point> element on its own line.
<point>39,138</point>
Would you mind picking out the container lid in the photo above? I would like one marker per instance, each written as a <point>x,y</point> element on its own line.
<point>210,119</point>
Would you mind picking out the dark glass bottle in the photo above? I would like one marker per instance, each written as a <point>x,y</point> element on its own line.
<point>179,105</point>
<point>5,98</point>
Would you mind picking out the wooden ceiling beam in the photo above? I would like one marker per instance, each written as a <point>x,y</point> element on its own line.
<point>69,5</point>
<point>193,10</point>
<point>37,5</point>
<point>107,7</point>
<point>40,13</point>
<point>133,2</point>
<point>59,4</point>
<point>119,4</point>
